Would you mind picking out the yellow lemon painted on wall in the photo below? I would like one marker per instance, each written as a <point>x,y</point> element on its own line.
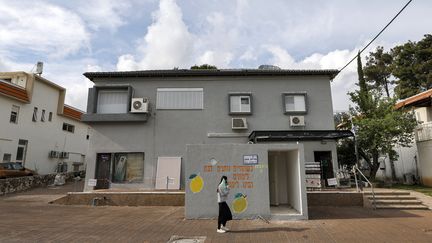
<point>196,184</point>
<point>240,203</point>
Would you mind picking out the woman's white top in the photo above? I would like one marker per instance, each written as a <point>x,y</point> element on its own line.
<point>223,192</point>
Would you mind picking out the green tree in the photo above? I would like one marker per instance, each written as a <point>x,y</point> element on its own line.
<point>346,152</point>
<point>203,66</point>
<point>378,70</point>
<point>412,67</point>
<point>379,126</point>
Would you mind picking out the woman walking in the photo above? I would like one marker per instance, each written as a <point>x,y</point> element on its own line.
<point>224,211</point>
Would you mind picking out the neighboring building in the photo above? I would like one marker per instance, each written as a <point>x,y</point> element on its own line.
<point>406,165</point>
<point>256,126</point>
<point>422,106</point>
<point>37,128</point>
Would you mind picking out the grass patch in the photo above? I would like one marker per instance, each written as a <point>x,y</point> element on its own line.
<point>423,189</point>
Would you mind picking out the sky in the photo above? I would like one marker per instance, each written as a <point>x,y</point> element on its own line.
<point>73,37</point>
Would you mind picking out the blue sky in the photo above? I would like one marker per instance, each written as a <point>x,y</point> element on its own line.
<point>72,37</point>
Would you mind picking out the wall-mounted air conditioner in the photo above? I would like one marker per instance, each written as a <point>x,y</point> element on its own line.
<point>297,121</point>
<point>239,123</point>
<point>139,105</point>
<point>53,154</point>
<point>64,155</point>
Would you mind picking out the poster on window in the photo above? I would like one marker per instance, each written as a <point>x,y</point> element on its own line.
<point>128,168</point>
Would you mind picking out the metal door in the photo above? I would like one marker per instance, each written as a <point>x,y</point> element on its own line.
<point>103,165</point>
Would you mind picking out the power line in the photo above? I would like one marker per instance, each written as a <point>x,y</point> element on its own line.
<point>385,27</point>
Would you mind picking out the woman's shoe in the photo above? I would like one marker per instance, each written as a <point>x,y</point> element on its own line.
<point>225,228</point>
<point>220,231</point>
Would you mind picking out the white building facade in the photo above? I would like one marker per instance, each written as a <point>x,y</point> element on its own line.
<point>37,128</point>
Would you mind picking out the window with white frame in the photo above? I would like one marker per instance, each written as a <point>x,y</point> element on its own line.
<point>14,114</point>
<point>240,103</point>
<point>21,150</point>
<point>112,101</point>
<point>180,99</point>
<point>294,103</point>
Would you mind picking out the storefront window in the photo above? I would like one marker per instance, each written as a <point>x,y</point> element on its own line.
<point>128,168</point>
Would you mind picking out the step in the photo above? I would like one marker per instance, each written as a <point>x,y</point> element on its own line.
<point>404,207</point>
<point>380,197</point>
<point>398,202</point>
<point>388,193</point>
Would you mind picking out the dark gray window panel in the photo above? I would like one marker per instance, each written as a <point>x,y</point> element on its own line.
<point>289,98</point>
<point>68,127</point>
<point>34,118</point>
<point>244,99</point>
<point>128,117</point>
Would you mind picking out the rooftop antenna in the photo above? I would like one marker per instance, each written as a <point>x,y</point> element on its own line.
<point>39,68</point>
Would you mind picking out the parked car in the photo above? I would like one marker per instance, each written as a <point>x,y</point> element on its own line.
<point>14,169</point>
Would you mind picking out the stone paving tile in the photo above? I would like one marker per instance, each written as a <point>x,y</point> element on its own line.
<point>36,221</point>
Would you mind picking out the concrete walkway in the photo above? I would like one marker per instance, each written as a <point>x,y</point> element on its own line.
<point>26,217</point>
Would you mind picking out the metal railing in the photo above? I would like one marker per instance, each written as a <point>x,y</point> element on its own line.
<point>355,169</point>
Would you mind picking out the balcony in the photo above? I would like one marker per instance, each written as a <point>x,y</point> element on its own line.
<point>423,132</point>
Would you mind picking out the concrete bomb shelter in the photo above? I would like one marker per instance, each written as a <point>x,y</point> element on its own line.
<point>259,175</point>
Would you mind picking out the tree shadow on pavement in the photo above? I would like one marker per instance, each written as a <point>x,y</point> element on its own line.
<point>325,212</point>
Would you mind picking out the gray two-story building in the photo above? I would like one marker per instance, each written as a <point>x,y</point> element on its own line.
<point>184,129</point>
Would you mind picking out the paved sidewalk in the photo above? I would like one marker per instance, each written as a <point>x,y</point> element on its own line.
<point>26,217</point>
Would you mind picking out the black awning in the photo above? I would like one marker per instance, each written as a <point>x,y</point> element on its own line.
<point>299,135</point>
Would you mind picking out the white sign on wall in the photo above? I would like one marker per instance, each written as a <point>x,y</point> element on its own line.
<point>91,182</point>
<point>332,182</point>
<point>250,159</point>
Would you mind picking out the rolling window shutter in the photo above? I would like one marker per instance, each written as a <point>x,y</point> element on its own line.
<point>112,101</point>
<point>180,99</point>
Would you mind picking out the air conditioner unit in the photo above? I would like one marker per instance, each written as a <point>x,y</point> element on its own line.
<point>139,105</point>
<point>239,123</point>
<point>297,121</point>
<point>53,154</point>
<point>64,155</point>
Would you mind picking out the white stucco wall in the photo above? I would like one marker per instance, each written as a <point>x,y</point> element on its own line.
<point>405,164</point>
<point>42,136</point>
<point>425,161</point>
<point>293,174</point>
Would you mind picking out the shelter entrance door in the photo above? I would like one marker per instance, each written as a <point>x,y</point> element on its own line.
<point>284,182</point>
<point>103,165</point>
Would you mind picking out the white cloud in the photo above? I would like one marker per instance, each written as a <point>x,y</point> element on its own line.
<point>167,43</point>
<point>41,27</point>
<point>108,14</point>
<point>126,62</point>
<point>249,55</point>
<point>220,60</point>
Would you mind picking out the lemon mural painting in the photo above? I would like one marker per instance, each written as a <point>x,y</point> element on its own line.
<point>240,203</point>
<point>196,183</point>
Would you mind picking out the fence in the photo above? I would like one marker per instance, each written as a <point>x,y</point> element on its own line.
<point>17,184</point>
